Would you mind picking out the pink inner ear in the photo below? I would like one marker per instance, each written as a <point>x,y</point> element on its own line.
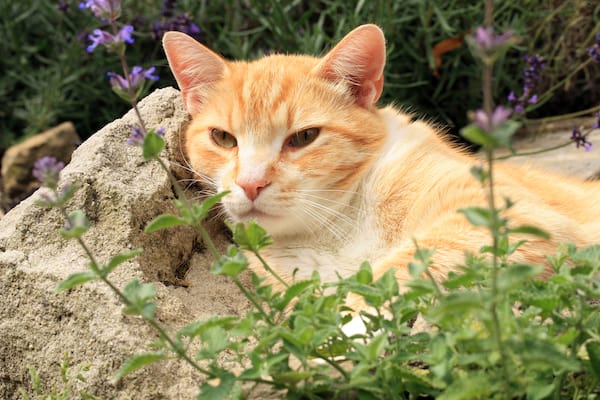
<point>195,68</point>
<point>358,59</point>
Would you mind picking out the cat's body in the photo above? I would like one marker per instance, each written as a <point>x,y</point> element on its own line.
<point>336,181</point>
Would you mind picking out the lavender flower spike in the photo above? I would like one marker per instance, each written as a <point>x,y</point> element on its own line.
<point>594,51</point>
<point>137,77</point>
<point>47,171</point>
<point>596,124</point>
<point>108,10</point>
<point>580,139</point>
<point>137,136</point>
<point>487,39</point>
<point>499,116</point>
<point>110,41</point>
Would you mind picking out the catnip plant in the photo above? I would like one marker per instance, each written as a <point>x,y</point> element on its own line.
<point>494,330</point>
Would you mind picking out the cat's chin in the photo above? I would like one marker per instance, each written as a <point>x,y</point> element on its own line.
<point>275,225</point>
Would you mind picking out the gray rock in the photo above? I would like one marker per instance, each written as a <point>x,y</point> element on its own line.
<point>18,160</point>
<point>119,193</point>
<point>568,160</point>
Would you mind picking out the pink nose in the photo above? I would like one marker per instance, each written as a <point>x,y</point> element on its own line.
<point>253,187</point>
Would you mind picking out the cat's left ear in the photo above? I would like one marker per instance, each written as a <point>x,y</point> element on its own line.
<point>195,67</point>
<point>359,60</point>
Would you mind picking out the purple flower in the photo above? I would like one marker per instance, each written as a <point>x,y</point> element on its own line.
<point>594,51</point>
<point>167,8</point>
<point>47,171</point>
<point>181,22</point>
<point>112,42</point>
<point>487,39</point>
<point>138,135</point>
<point>64,5</point>
<point>580,139</point>
<point>137,77</point>
<point>108,10</point>
<point>499,116</point>
<point>532,77</point>
<point>596,124</point>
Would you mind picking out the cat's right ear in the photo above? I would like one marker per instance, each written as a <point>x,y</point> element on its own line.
<point>358,60</point>
<point>195,67</point>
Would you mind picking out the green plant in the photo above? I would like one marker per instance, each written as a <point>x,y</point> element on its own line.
<point>496,331</point>
<point>47,76</point>
<point>68,381</point>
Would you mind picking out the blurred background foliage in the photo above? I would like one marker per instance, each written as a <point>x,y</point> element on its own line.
<point>47,77</point>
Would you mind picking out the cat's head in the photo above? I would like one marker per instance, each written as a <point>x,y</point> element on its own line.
<point>289,136</point>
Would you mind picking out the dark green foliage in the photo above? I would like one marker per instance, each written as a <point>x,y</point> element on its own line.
<point>47,77</point>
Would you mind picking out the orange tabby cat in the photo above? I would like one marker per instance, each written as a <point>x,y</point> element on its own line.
<point>335,180</point>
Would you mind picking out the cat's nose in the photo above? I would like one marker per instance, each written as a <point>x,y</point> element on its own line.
<point>253,187</point>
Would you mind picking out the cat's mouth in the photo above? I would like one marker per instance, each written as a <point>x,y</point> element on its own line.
<point>253,214</point>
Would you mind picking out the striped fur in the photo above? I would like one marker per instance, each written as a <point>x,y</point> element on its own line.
<point>373,181</point>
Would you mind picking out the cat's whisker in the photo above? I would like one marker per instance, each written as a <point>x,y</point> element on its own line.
<point>332,212</point>
<point>330,218</point>
<point>326,190</point>
<point>321,198</point>
<point>322,222</point>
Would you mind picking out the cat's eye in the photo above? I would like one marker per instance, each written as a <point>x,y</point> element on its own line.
<point>303,137</point>
<point>223,138</point>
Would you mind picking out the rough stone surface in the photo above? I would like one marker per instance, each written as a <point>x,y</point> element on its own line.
<point>119,193</point>
<point>568,160</point>
<point>18,160</point>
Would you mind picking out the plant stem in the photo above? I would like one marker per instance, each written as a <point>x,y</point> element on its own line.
<point>270,270</point>
<point>336,366</point>
<point>182,197</point>
<point>253,301</point>
<point>533,152</point>
<point>95,268</point>
<point>494,223</point>
<point>564,116</point>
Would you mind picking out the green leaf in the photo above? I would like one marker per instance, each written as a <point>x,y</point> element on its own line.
<point>539,391</point>
<point>504,132</point>
<point>530,230</point>
<point>477,216</point>
<point>221,390</point>
<point>475,134</point>
<point>589,256</point>
<point>293,292</point>
<point>388,284</point>
<point>376,347</point>
<point>76,225</point>
<point>231,264</point>
<point>138,361</point>
<point>138,296</point>
<point>152,146</point>
<point>200,211</point>
<point>593,350</point>
<point>514,275</point>
<point>76,279</point>
<point>365,274</point>
<point>164,221</point>
<point>454,305</point>
<point>479,173</point>
<point>475,385</point>
<point>251,237</point>
<point>118,260</point>
<point>292,377</point>
<point>415,269</point>
<point>215,340</point>
<point>197,328</point>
